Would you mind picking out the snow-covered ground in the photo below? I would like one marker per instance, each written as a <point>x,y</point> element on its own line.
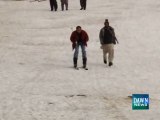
<point>37,81</point>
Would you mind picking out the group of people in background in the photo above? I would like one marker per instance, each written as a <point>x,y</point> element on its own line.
<point>54,5</point>
<point>79,38</point>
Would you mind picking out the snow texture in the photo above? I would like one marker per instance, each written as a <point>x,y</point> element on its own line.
<point>37,81</point>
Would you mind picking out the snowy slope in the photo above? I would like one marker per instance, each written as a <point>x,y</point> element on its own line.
<point>37,81</point>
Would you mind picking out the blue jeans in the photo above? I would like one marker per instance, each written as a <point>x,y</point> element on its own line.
<point>83,47</point>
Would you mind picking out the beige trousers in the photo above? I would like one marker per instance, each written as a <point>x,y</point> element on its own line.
<point>108,49</point>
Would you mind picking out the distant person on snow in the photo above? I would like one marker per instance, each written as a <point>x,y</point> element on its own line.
<point>64,2</point>
<point>53,4</point>
<point>83,4</point>
<point>107,40</point>
<point>79,38</point>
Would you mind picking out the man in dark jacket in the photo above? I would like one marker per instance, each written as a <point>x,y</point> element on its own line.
<point>80,38</point>
<point>83,4</point>
<point>64,2</point>
<point>107,40</point>
<point>53,4</point>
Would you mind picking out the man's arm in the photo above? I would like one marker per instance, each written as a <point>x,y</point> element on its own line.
<point>101,36</point>
<point>113,33</point>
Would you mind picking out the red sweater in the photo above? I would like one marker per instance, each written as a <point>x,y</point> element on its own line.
<point>84,37</point>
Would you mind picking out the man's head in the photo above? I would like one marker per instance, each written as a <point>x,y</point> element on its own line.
<point>106,23</point>
<point>78,29</point>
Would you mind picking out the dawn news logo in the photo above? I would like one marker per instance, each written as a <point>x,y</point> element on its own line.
<point>140,101</point>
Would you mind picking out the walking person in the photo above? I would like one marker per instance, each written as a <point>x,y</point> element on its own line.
<point>53,5</point>
<point>64,3</point>
<point>79,38</point>
<point>108,40</point>
<point>83,4</point>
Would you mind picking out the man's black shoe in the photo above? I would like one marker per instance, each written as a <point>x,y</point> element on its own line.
<point>75,66</point>
<point>110,63</point>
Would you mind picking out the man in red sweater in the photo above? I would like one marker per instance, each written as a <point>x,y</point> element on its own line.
<point>79,38</point>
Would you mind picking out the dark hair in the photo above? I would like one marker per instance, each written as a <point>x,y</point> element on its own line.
<point>106,21</point>
<point>78,27</point>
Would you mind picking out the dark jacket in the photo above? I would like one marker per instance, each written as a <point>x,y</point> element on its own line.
<point>107,36</point>
<point>75,37</point>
